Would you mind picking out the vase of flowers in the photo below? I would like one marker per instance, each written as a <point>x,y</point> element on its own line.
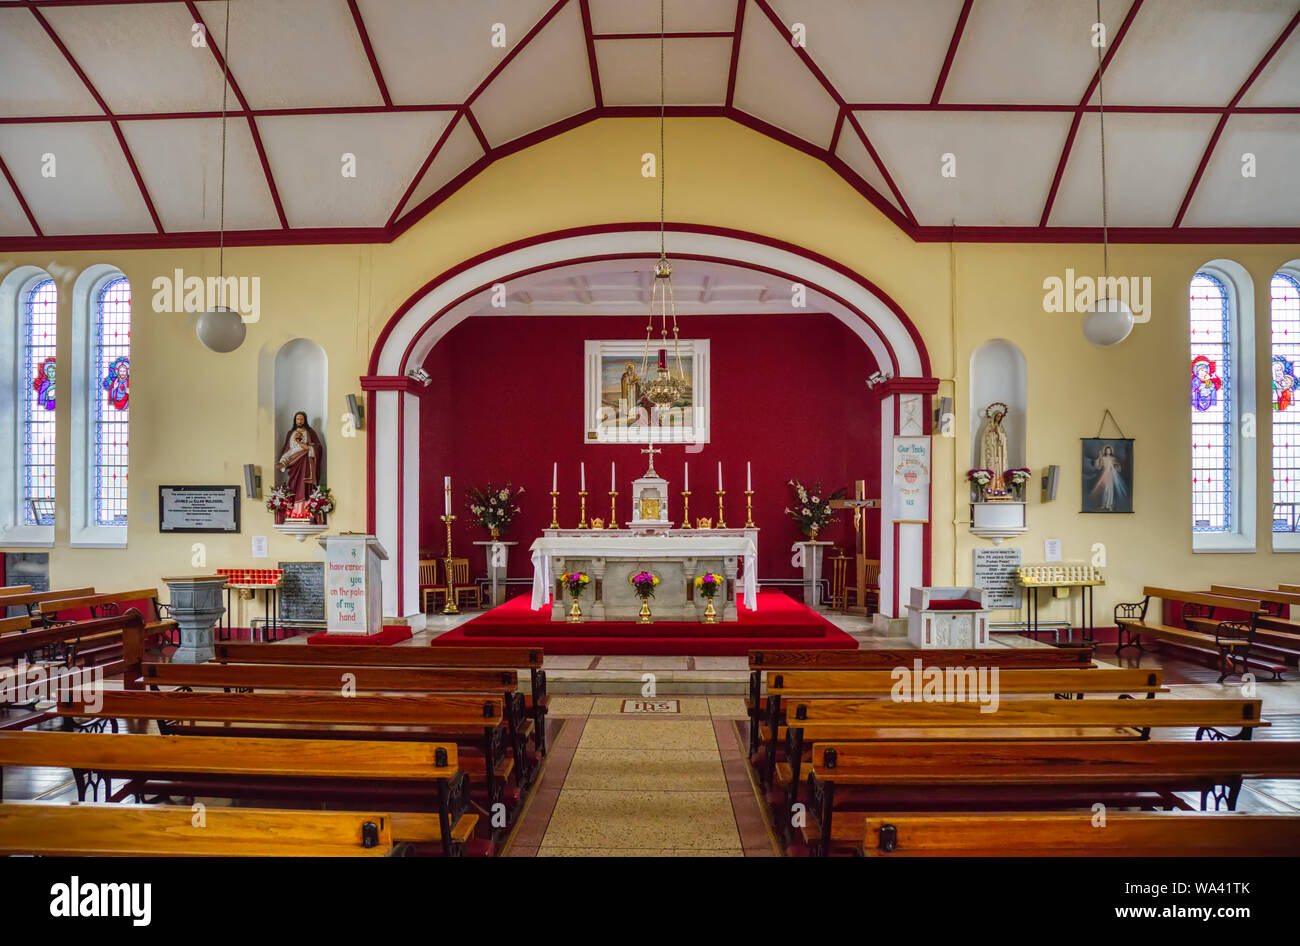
<point>980,479</point>
<point>812,508</point>
<point>1017,478</point>
<point>279,502</point>
<point>708,585</point>
<point>320,503</point>
<point>493,507</point>
<point>643,583</point>
<point>576,583</point>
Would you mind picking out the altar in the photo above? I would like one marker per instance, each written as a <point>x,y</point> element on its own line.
<point>676,556</point>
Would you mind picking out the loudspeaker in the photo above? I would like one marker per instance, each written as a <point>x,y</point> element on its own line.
<point>942,410</point>
<point>252,481</point>
<point>358,412</point>
<point>1051,477</point>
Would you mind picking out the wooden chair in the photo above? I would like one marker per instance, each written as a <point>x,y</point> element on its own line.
<point>460,583</point>
<point>428,582</point>
<point>840,589</point>
<point>872,604</point>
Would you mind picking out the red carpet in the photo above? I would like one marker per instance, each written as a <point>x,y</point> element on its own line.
<point>779,622</point>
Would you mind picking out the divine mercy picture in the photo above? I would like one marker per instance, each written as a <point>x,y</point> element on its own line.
<point>1107,475</point>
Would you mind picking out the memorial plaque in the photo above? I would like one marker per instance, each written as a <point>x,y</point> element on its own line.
<point>198,509</point>
<point>302,591</point>
<point>995,572</point>
<point>26,568</point>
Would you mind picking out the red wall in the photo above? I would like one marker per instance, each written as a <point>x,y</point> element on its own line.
<point>788,394</point>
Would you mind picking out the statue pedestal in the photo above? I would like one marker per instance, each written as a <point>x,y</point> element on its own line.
<point>812,571</point>
<point>498,555</point>
<point>196,608</point>
<point>998,520</point>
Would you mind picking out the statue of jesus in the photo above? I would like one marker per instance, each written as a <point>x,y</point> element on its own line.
<point>302,460</point>
<point>993,449</point>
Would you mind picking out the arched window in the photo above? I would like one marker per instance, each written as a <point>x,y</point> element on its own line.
<point>1222,405</point>
<point>38,328</point>
<point>1285,368</point>
<point>111,358</point>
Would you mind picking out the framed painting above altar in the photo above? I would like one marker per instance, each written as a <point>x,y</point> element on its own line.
<point>616,372</point>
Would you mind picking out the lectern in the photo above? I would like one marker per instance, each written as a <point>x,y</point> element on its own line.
<point>354,598</point>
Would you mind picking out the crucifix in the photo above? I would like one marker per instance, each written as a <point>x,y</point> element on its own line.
<point>651,451</point>
<point>858,504</point>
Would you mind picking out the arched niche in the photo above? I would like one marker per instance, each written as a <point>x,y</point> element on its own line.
<point>301,384</point>
<point>998,372</point>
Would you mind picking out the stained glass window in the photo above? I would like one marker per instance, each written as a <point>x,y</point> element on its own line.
<point>110,390</point>
<point>1212,340</point>
<point>1285,366</point>
<point>40,324</point>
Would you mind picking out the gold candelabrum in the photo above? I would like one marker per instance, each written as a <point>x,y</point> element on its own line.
<point>582,519</point>
<point>722,523</point>
<point>555,523</point>
<point>613,509</point>
<point>686,509</point>
<point>749,509</point>
<point>449,607</point>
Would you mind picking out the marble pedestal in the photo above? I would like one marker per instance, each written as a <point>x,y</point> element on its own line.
<point>196,607</point>
<point>812,571</point>
<point>497,554</point>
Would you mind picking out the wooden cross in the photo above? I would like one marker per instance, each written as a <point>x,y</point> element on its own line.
<point>652,451</point>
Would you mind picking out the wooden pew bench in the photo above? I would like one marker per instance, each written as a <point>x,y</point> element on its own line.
<point>1229,644</point>
<point>32,600</point>
<point>1277,638</point>
<point>421,775</point>
<point>536,700</point>
<point>105,604</point>
<point>766,665</point>
<point>1063,834</point>
<point>64,642</point>
<point>850,782</point>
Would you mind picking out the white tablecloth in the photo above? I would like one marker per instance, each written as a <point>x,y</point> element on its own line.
<point>634,546</point>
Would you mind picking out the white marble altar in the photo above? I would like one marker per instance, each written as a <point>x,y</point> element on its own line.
<point>677,556</point>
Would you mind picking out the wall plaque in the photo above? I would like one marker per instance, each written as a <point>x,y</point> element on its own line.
<point>302,591</point>
<point>995,572</point>
<point>198,508</point>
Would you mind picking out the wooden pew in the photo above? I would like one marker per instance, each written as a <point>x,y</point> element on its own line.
<point>102,604</point>
<point>1231,640</point>
<point>768,665</point>
<point>14,590</point>
<point>100,830</point>
<point>1276,638</point>
<point>849,781</point>
<point>1064,834</point>
<point>69,638</point>
<point>504,658</point>
<point>426,774</point>
<point>465,720</point>
<point>31,600</point>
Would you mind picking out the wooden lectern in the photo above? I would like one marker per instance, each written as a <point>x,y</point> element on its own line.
<point>353,595</point>
<point>858,504</point>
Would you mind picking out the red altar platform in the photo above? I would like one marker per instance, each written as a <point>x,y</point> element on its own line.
<point>779,622</point>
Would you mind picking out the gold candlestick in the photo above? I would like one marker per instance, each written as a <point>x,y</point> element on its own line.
<point>449,607</point>
<point>686,509</point>
<point>582,520</point>
<point>722,524</point>
<point>613,509</point>
<point>749,509</point>
<point>555,523</point>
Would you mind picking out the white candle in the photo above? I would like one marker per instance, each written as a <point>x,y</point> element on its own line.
<point>686,477</point>
<point>446,493</point>
<point>612,478</point>
<point>555,477</point>
<point>749,477</point>
<point>719,476</point>
<point>582,477</point>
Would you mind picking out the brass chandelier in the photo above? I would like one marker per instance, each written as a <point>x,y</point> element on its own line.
<point>666,388</point>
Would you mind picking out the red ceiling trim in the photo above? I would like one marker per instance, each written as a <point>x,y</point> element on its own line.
<point>784,31</point>
<point>1078,112</point>
<point>243,102</point>
<point>835,135</point>
<point>735,53</point>
<point>419,174</point>
<point>681,34</point>
<point>518,48</point>
<point>1223,120</point>
<point>370,52</point>
<point>584,6</point>
<point>99,100</point>
<point>230,113</point>
<point>478,131</point>
<point>952,51</point>
<point>18,194</point>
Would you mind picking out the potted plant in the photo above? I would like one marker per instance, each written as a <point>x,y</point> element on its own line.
<point>812,510</point>
<point>493,507</point>
<point>643,583</point>
<point>1016,479</point>
<point>576,583</point>
<point>279,502</point>
<point>981,479</point>
<point>708,585</point>
<point>320,503</point>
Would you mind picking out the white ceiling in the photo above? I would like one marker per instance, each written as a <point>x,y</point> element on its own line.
<point>416,91</point>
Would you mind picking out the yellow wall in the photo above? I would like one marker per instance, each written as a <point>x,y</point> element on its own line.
<point>197,417</point>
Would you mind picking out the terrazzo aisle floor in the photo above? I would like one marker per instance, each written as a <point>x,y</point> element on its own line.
<point>638,784</point>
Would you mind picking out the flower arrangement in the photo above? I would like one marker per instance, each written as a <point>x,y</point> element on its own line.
<point>812,509</point>
<point>708,584</point>
<point>643,583</point>
<point>280,501</point>
<point>321,501</point>
<point>981,479</point>
<point>494,507</point>
<point>1017,478</point>
<point>575,582</point>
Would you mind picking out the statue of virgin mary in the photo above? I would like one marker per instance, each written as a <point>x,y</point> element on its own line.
<point>993,449</point>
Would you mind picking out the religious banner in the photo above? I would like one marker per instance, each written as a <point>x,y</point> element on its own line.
<point>995,572</point>
<point>911,480</point>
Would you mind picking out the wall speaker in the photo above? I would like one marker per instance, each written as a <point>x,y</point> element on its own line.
<point>358,411</point>
<point>942,410</point>
<point>1051,478</point>
<point>252,481</point>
